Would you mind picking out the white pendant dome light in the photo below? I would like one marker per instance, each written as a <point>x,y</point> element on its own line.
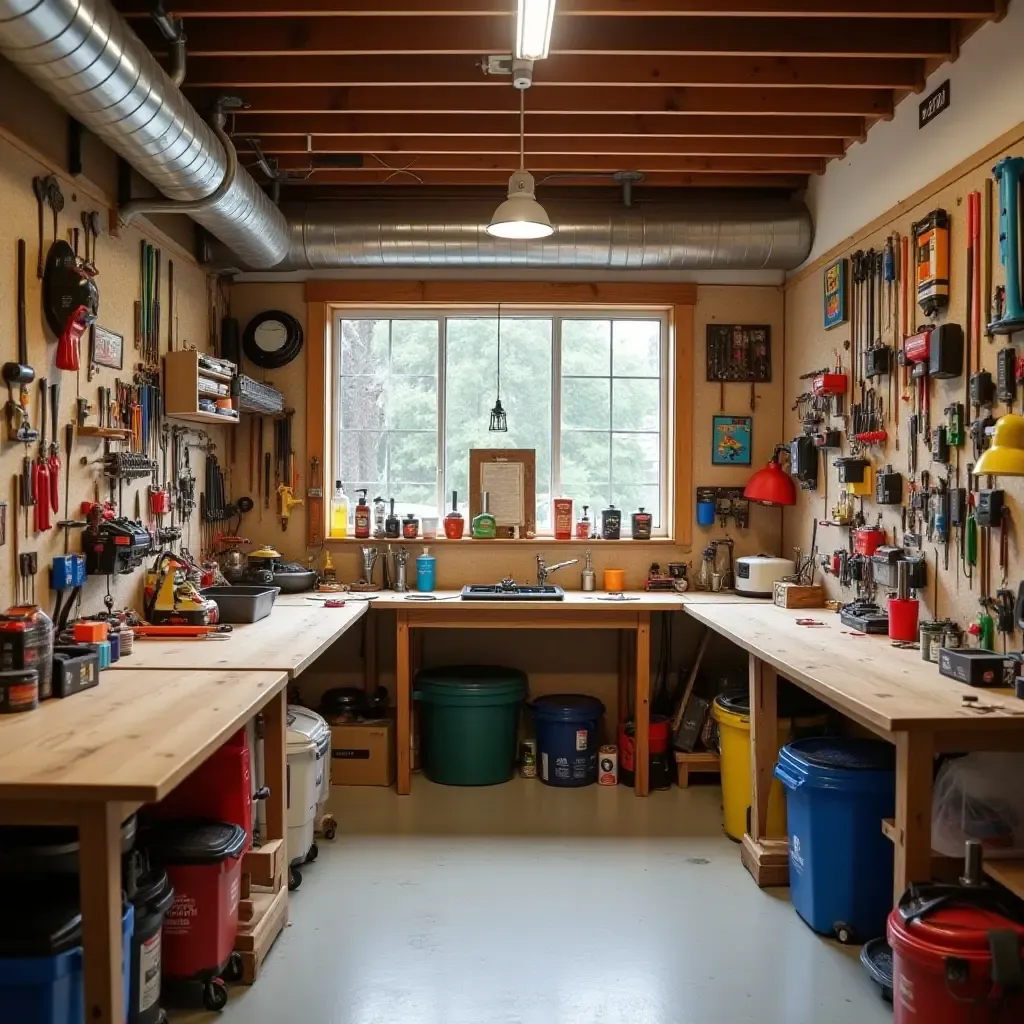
<point>520,216</point>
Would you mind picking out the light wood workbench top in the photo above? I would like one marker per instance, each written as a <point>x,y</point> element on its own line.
<point>132,738</point>
<point>722,597</point>
<point>597,602</point>
<point>288,639</point>
<point>864,676</point>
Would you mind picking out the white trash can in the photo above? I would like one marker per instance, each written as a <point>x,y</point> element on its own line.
<point>305,772</point>
<point>313,726</point>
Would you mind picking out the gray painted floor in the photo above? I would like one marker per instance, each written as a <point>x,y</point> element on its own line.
<point>522,904</point>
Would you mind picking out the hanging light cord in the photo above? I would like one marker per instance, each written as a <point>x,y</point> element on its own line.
<point>522,129</point>
<point>499,352</point>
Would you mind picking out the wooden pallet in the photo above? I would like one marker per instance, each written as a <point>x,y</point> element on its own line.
<point>263,907</point>
<point>703,761</point>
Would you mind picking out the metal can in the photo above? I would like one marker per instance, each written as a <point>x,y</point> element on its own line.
<point>952,636</point>
<point>528,759</point>
<point>931,640</point>
<point>608,765</point>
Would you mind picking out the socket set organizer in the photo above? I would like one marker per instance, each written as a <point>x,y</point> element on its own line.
<point>723,504</point>
<point>739,353</point>
<point>127,465</point>
<point>254,396</point>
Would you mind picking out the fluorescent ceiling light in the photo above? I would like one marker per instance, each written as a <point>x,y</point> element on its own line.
<point>533,28</point>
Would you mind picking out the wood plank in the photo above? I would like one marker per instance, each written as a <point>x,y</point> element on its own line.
<point>275,766</point>
<point>403,705</point>
<point>853,37</point>
<point>516,615</point>
<point>322,184</point>
<point>289,639</point>
<point>138,9</point>
<point>666,125</point>
<point>268,922</point>
<point>543,293</point>
<point>681,469</point>
<point>865,677</point>
<point>324,104</point>
<point>560,70</point>
<point>596,604</point>
<point>764,731</point>
<point>264,864</point>
<point>413,147</point>
<point>642,706</point>
<point>915,763</point>
<point>701,762</point>
<point>133,738</point>
<point>767,861</point>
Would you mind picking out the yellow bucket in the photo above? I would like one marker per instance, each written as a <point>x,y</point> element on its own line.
<point>732,713</point>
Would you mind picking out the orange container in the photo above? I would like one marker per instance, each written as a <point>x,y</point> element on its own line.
<point>563,518</point>
<point>615,579</point>
<point>90,632</point>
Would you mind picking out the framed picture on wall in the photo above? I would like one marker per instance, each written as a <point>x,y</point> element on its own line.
<point>835,294</point>
<point>107,347</point>
<point>731,440</point>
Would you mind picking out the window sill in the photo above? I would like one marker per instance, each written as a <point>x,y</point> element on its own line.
<point>525,541</point>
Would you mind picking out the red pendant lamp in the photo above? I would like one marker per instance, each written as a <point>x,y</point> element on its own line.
<point>772,485</point>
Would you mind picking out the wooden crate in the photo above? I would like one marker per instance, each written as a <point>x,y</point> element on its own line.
<point>703,761</point>
<point>263,908</point>
<point>798,595</point>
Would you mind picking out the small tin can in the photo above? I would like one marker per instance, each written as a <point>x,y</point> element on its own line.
<point>952,636</point>
<point>528,759</point>
<point>19,691</point>
<point>930,634</point>
<point>608,765</point>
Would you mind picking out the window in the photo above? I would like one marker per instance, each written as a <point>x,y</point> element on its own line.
<point>587,391</point>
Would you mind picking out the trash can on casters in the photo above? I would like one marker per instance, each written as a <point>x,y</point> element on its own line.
<point>469,719</point>
<point>731,710</point>
<point>567,738</point>
<point>838,790</point>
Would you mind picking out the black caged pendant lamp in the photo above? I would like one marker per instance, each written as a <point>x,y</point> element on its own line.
<point>499,419</point>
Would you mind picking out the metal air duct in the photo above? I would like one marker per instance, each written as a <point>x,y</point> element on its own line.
<point>84,55</point>
<point>740,234</point>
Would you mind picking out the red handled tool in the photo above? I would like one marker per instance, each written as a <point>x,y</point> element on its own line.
<point>53,465</point>
<point>71,337</point>
<point>41,470</point>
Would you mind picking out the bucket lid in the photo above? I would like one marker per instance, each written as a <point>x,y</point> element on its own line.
<point>470,681</point>
<point>42,922</point>
<point>195,841</point>
<point>957,926</point>
<point>303,723</point>
<point>736,701</point>
<point>568,707</point>
<point>844,753</point>
<point>46,845</point>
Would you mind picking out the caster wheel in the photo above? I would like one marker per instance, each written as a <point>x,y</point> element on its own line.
<point>330,829</point>
<point>843,933</point>
<point>233,971</point>
<point>294,879</point>
<point>314,852</point>
<point>215,995</point>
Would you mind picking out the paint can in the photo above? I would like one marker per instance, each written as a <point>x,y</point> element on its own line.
<point>608,765</point>
<point>930,634</point>
<point>19,691</point>
<point>952,636</point>
<point>528,759</point>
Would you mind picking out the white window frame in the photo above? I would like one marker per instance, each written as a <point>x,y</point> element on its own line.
<point>556,314</point>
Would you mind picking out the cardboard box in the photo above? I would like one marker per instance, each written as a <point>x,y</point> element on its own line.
<point>363,753</point>
<point>798,595</point>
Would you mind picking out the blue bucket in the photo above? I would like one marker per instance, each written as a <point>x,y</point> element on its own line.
<point>838,790</point>
<point>566,725</point>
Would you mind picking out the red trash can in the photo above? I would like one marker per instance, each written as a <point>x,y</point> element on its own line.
<point>204,862</point>
<point>958,958</point>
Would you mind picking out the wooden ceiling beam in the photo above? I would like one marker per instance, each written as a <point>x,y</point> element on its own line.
<point>563,70</point>
<point>542,163</point>
<point>385,145</point>
<point>320,105</point>
<point>319,185</point>
<point>600,8</point>
<point>303,37</point>
<point>565,126</point>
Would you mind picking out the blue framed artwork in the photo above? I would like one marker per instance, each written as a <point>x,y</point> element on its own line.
<point>730,440</point>
<point>835,294</point>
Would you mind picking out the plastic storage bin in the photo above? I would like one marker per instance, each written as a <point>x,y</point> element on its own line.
<point>305,773</point>
<point>31,851</point>
<point>204,862</point>
<point>838,790</point>
<point>469,719</point>
<point>315,727</point>
<point>567,726</point>
<point>41,961</point>
<point>732,713</point>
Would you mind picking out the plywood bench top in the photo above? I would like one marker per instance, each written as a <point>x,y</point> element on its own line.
<point>132,738</point>
<point>598,602</point>
<point>882,686</point>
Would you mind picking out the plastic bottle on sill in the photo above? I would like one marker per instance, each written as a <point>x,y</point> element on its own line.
<point>339,511</point>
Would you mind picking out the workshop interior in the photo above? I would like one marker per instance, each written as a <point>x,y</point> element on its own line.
<point>511,510</point>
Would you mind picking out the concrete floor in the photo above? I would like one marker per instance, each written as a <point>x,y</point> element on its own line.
<point>522,904</point>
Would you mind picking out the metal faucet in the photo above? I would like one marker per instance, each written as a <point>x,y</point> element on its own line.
<point>544,570</point>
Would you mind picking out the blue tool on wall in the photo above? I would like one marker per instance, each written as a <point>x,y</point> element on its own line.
<point>1010,311</point>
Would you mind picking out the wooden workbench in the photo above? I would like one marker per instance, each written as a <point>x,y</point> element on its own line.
<point>722,597</point>
<point>631,617</point>
<point>289,639</point>
<point>889,691</point>
<point>93,759</point>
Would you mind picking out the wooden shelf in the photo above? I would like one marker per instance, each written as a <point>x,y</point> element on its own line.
<point>106,433</point>
<point>199,416</point>
<point>223,378</point>
<point>700,761</point>
<point>181,389</point>
<point>523,541</point>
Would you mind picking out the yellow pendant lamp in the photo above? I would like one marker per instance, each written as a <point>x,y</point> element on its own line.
<point>1005,456</point>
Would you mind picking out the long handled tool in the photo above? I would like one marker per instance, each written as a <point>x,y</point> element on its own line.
<point>41,469</point>
<point>53,465</point>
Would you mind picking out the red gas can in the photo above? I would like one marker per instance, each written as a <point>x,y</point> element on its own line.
<point>204,862</point>
<point>943,961</point>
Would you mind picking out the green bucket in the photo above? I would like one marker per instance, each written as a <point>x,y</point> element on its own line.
<point>469,721</point>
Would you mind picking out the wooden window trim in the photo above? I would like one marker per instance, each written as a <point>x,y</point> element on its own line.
<point>325,298</point>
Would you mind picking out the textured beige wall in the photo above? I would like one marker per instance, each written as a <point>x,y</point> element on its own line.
<point>586,662</point>
<point>809,346</point>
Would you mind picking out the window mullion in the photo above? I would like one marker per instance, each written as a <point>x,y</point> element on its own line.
<point>442,413</point>
<point>556,410</point>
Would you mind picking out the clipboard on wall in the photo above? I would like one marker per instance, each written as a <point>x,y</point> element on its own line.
<point>509,475</point>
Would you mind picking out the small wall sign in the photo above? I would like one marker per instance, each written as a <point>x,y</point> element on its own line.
<point>730,441</point>
<point>835,294</point>
<point>107,348</point>
<point>933,105</point>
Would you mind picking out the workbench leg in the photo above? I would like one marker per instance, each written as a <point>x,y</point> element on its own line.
<point>275,765</point>
<point>99,833</point>
<point>369,653</point>
<point>765,857</point>
<point>642,706</point>
<point>625,639</point>
<point>403,702</point>
<point>915,763</point>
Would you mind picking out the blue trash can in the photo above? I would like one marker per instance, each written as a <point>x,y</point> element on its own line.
<point>566,725</point>
<point>838,790</point>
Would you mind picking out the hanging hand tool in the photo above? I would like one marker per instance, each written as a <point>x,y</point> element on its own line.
<point>266,479</point>
<point>26,494</point>
<point>19,427</point>
<point>53,465</point>
<point>41,471</point>
<point>55,198</point>
<point>39,191</point>
<point>315,504</point>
